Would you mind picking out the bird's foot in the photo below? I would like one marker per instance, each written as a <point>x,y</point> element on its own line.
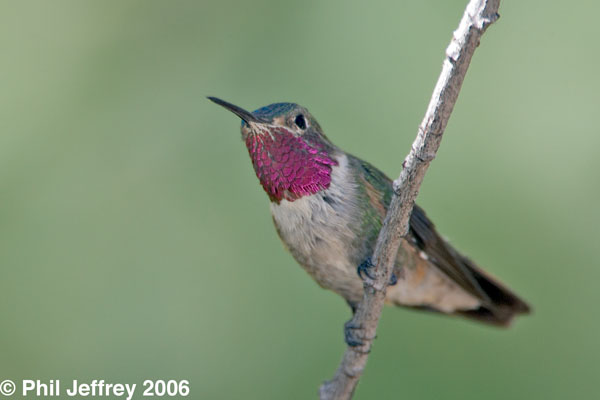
<point>354,335</point>
<point>365,269</point>
<point>393,279</point>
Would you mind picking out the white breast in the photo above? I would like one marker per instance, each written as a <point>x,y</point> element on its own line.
<point>316,231</point>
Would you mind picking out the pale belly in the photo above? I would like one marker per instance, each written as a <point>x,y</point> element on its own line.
<point>320,240</point>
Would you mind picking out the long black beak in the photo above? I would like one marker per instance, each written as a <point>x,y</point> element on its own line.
<point>240,112</point>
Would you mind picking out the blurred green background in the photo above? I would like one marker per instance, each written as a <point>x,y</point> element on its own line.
<point>136,243</point>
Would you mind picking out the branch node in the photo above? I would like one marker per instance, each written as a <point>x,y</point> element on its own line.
<point>425,157</point>
<point>396,185</point>
<point>361,351</point>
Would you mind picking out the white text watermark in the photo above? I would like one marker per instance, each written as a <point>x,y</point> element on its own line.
<point>95,388</point>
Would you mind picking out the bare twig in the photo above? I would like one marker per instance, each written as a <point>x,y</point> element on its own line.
<point>478,15</point>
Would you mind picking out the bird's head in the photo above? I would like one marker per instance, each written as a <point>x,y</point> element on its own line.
<point>291,156</point>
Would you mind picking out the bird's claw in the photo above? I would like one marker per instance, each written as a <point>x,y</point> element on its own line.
<point>365,268</point>
<point>350,335</point>
<point>393,280</point>
<point>354,334</point>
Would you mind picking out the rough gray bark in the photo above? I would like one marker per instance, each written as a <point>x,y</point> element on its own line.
<point>478,15</point>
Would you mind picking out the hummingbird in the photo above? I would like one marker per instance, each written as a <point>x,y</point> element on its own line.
<point>328,207</point>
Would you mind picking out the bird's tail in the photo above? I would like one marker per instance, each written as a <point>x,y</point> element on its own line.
<point>497,305</point>
<point>503,304</point>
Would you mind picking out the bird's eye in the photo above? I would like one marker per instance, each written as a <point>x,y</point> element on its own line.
<point>300,121</point>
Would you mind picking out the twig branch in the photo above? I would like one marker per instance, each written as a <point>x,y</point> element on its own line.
<point>478,15</point>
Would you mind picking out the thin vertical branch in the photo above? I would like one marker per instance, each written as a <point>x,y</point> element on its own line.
<point>478,15</point>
